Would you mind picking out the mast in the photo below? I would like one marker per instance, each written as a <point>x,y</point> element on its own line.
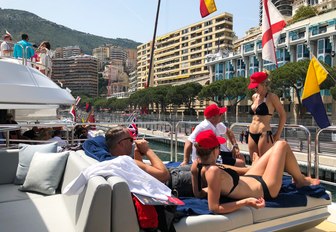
<point>153,45</point>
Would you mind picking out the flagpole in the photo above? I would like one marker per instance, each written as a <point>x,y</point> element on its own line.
<point>153,43</point>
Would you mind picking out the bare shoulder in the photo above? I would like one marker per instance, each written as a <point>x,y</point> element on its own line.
<point>213,170</point>
<point>273,96</point>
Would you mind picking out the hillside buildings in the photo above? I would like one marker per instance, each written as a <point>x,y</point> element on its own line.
<point>116,63</point>
<point>78,73</point>
<point>65,52</point>
<point>179,55</point>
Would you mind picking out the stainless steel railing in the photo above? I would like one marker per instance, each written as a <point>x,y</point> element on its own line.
<point>317,146</point>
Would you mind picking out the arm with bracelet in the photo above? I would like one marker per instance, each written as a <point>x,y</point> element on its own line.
<point>233,141</point>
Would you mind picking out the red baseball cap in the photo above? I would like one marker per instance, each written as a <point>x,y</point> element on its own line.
<point>256,78</point>
<point>213,110</point>
<point>207,139</point>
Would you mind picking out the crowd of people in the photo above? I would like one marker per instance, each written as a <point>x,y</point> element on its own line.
<point>39,57</point>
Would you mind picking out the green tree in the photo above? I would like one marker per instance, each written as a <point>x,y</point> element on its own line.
<point>212,92</point>
<point>159,96</point>
<point>291,75</point>
<point>333,92</point>
<point>101,102</point>
<point>304,12</point>
<point>189,92</point>
<point>141,98</point>
<point>121,104</point>
<point>174,97</point>
<point>234,90</point>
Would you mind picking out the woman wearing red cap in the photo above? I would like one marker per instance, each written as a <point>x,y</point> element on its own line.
<point>262,182</point>
<point>263,107</point>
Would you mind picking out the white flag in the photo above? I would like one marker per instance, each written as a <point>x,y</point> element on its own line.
<point>272,24</point>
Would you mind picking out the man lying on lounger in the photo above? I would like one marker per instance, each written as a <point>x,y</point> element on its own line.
<point>117,142</point>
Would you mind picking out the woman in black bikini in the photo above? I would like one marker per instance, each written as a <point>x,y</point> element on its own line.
<point>264,103</point>
<point>262,181</point>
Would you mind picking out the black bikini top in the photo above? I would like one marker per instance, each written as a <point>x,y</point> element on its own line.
<point>262,109</point>
<point>234,175</point>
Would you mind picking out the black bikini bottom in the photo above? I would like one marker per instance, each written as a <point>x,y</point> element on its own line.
<point>256,137</point>
<point>267,195</point>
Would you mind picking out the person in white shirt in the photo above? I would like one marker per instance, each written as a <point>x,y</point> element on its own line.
<point>213,117</point>
<point>6,48</point>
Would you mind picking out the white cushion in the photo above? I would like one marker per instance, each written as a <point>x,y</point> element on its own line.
<point>26,154</point>
<point>260,215</point>
<point>215,223</point>
<point>45,172</point>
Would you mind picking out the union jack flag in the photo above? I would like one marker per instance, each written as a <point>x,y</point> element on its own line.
<point>132,128</point>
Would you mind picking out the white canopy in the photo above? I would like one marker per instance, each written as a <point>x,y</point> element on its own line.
<point>23,87</point>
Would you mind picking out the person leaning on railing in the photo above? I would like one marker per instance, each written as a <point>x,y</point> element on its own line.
<point>45,56</point>
<point>24,49</point>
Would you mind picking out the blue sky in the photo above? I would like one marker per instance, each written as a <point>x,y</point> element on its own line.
<point>134,19</point>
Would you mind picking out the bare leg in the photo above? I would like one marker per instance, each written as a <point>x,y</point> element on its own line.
<point>263,145</point>
<point>253,147</point>
<point>255,158</point>
<point>272,164</point>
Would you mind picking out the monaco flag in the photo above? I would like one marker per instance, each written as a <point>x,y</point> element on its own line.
<point>272,24</point>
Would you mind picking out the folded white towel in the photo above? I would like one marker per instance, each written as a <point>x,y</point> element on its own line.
<point>138,180</point>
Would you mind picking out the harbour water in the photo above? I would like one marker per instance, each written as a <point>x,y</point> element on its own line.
<point>163,151</point>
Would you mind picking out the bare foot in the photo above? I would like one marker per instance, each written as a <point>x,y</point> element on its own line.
<point>255,158</point>
<point>307,181</point>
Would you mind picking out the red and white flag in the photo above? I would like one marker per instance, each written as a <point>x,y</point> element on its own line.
<point>272,24</point>
<point>78,98</point>
<point>73,112</point>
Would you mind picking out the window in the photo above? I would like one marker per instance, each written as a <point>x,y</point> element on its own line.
<point>302,51</point>
<point>207,23</point>
<point>320,46</point>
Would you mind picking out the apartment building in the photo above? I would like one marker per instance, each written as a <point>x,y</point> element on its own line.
<point>64,52</point>
<point>118,53</point>
<point>116,76</point>
<point>102,53</point>
<point>320,5</point>
<point>316,35</point>
<point>132,82</point>
<point>78,73</point>
<point>131,61</point>
<point>179,55</point>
